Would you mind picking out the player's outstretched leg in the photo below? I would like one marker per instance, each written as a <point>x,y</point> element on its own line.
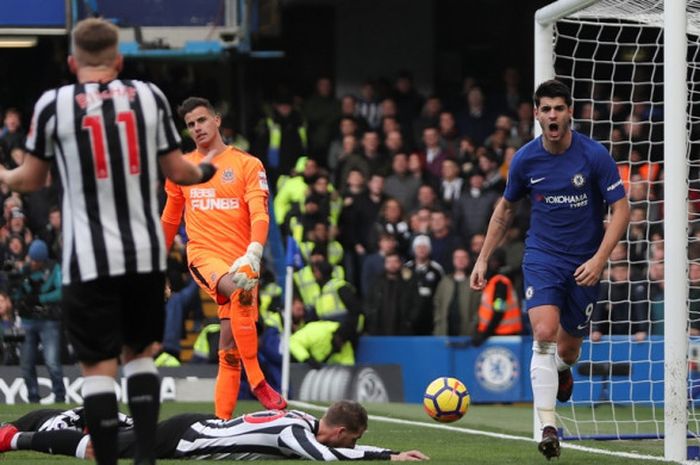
<point>549,445</point>
<point>245,334</point>
<point>566,385</point>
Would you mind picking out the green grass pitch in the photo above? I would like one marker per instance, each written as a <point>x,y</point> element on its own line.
<point>409,427</point>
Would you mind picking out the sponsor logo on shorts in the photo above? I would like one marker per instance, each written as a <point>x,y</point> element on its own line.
<point>529,292</point>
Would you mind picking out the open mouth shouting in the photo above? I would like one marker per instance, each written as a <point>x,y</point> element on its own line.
<point>554,130</point>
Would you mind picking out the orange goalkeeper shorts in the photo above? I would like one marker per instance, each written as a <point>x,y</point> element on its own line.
<point>207,270</point>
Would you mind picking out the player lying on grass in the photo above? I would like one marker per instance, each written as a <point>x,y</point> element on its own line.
<point>271,434</point>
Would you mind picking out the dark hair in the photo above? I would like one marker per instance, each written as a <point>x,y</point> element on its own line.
<point>347,413</point>
<point>552,89</point>
<point>190,103</point>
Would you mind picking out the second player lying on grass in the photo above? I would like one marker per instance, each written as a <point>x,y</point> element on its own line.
<point>271,434</point>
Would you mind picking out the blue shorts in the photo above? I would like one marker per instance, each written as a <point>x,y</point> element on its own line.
<point>548,283</point>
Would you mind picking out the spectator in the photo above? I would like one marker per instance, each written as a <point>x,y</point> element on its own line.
<point>433,154</point>
<point>442,240</point>
<point>366,107</point>
<point>319,238</point>
<point>621,307</point>
<point>305,282</point>
<point>449,135</point>
<point>183,298</point>
<point>10,348</point>
<point>11,137</point>
<point>373,265</point>
<point>391,221</point>
<point>452,185</point>
<point>280,138</point>
<point>321,112</point>
<point>394,143</point>
<point>512,93</point>
<point>392,300</point>
<point>427,198</point>
<point>526,121</point>
<point>337,149</point>
<point>427,274</point>
<point>408,101</point>
<point>456,304</point>
<point>430,116</point>
<point>499,312</point>
<point>489,166</point>
<point>348,107</point>
<point>15,253</point>
<point>476,243</point>
<point>416,169</point>
<point>292,189</point>
<point>17,226</point>
<point>400,184</point>
<point>371,151</point>
<point>419,222</point>
<point>475,120</point>
<point>350,159</point>
<point>337,300</point>
<point>37,298</point>
<point>472,211</point>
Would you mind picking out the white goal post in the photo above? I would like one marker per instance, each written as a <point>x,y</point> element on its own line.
<point>667,38</point>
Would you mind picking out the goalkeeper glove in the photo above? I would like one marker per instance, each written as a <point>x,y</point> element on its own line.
<point>245,271</point>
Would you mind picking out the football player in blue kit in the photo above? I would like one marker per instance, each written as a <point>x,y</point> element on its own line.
<point>571,180</point>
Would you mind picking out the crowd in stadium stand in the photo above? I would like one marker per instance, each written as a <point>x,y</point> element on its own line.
<point>388,194</point>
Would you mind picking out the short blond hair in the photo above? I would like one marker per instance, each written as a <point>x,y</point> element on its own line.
<point>95,42</point>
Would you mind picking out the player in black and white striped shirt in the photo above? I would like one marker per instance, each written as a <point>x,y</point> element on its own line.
<point>108,137</point>
<point>267,435</point>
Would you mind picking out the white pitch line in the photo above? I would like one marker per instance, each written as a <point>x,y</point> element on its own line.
<point>490,434</point>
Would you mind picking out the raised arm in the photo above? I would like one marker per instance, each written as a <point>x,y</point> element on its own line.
<point>498,225</point>
<point>182,172</point>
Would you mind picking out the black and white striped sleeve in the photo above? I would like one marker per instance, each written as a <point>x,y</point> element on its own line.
<point>168,138</point>
<point>40,140</point>
<point>297,441</point>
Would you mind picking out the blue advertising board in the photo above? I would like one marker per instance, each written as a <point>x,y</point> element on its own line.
<point>616,369</point>
<point>33,13</point>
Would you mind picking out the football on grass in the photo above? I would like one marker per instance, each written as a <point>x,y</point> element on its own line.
<point>446,399</point>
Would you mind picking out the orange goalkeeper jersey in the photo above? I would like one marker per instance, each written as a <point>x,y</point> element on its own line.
<point>217,212</point>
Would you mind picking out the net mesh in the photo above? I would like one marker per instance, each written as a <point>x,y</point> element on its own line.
<point>611,55</point>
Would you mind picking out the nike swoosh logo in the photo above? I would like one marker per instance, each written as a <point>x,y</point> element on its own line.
<point>536,180</point>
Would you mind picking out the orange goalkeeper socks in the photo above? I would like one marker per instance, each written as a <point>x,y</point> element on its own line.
<point>228,383</point>
<point>246,336</point>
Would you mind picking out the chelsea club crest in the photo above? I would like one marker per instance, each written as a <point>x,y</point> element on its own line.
<point>578,180</point>
<point>227,176</point>
<point>497,369</point>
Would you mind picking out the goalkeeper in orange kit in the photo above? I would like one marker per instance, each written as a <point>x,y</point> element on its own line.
<point>226,221</point>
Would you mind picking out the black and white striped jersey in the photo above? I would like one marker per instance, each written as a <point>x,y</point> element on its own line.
<point>260,436</point>
<point>105,139</point>
<point>54,420</point>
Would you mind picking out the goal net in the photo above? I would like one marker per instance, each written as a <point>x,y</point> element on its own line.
<point>611,54</point>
